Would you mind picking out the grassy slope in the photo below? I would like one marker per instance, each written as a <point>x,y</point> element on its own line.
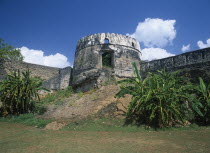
<point>96,135</point>
<point>27,119</point>
<point>15,137</point>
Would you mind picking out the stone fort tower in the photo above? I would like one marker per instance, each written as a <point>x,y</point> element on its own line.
<point>100,57</point>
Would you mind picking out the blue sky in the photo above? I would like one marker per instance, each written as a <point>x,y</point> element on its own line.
<point>55,26</point>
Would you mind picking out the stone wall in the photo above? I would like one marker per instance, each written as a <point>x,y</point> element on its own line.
<point>88,69</point>
<point>65,77</point>
<point>60,81</point>
<point>179,61</point>
<point>195,64</point>
<point>55,78</point>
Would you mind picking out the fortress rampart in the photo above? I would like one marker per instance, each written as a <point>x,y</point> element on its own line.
<point>55,78</point>
<point>198,57</point>
<point>104,56</point>
<point>194,64</point>
<point>91,52</point>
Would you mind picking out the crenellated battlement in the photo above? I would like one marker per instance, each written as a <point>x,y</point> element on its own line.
<point>107,38</point>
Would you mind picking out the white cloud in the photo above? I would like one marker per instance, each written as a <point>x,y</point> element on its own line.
<point>38,57</point>
<point>185,48</point>
<point>154,53</point>
<point>202,45</point>
<point>155,32</point>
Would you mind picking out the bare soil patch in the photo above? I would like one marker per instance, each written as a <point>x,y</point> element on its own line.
<point>55,125</point>
<point>101,102</point>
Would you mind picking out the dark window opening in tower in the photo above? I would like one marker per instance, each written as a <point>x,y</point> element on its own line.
<point>133,44</point>
<point>107,60</point>
<point>106,41</point>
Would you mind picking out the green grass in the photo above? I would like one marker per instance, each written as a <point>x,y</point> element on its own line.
<point>102,124</point>
<point>58,97</point>
<point>18,138</point>
<point>93,124</point>
<point>80,94</point>
<point>27,119</point>
<point>117,125</point>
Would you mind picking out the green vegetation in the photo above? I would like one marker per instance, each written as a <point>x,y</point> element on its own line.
<point>102,124</point>
<point>118,125</point>
<point>27,119</point>
<point>18,138</point>
<point>9,52</point>
<point>203,95</point>
<point>57,98</point>
<point>18,92</point>
<point>163,99</point>
<point>80,94</point>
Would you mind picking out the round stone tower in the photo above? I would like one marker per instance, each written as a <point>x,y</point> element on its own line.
<point>100,57</point>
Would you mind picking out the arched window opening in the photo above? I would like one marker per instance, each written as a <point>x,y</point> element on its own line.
<point>106,41</point>
<point>133,44</point>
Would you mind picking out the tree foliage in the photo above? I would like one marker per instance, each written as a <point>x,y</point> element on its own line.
<point>18,92</point>
<point>9,52</point>
<point>162,99</point>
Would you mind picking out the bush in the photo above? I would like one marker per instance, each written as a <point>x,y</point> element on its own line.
<point>203,96</point>
<point>18,92</point>
<point>162,99</point>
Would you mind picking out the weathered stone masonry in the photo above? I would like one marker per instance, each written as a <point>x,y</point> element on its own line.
<point>195,63</point>
<point>175,62</point>
<point>89,72</point>
<point>55,78</point>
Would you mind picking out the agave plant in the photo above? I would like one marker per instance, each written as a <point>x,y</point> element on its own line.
<point>18,92</point>
<point>161,99</point>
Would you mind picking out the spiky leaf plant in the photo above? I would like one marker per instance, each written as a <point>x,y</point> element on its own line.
<point>18,92</point>
<point>160,100</point>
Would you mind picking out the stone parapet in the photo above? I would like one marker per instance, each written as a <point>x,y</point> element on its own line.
<point>112,38</point>
<point>175,62</point>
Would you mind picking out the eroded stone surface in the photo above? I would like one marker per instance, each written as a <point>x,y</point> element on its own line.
<point>54,78</point>
<point>193,64</point>
<point>88,71</point>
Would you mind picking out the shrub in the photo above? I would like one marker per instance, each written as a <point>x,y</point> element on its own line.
<point>203,94</point>
<point>162,99</point>
<point>18,92</point>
